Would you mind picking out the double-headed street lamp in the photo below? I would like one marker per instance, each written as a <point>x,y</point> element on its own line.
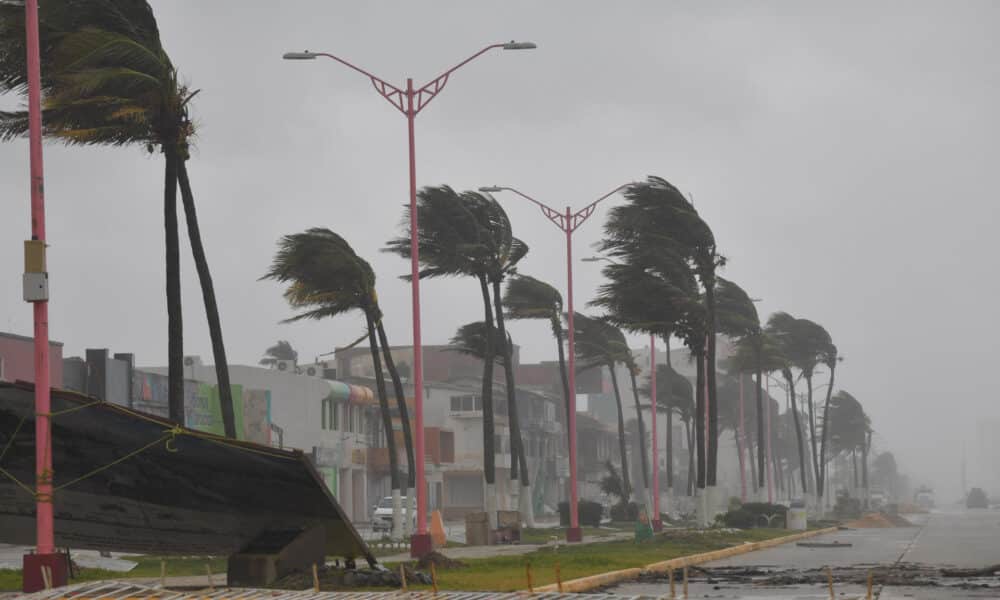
<point>568,222</point>
<point>410,102</point>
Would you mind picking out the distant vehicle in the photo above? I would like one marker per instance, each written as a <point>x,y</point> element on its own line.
<point>382,517</point>
<point>977,499</point>
<point>924,498</point>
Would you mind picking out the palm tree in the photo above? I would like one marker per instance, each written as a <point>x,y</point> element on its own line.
<point>469,235</point>
<point>849,427</point>
<point>530,298</point>
<point>108,81</point>
<point>325,279</point>
<point>674,395</point>
<point>659,225</point>
<point>597,346</point>
<point>281,351</point>
<point>830,358</point>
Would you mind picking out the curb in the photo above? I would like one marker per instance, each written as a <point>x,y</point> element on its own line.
<point>586,584</point>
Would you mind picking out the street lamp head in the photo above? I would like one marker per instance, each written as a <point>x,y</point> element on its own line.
<point>307,55</point>
<point>491,189</point>
<point>512,45</point>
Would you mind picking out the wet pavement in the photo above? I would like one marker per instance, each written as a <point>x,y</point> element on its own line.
<point>906,563</point>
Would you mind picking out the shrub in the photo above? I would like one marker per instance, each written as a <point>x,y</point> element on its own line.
<point>756,514</point>
<point>625,512</point>
<point>588,511</point>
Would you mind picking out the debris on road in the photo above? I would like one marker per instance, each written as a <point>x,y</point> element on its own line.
<point>824,544</point>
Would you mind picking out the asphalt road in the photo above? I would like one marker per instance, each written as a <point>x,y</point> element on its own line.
<point>945,538</point>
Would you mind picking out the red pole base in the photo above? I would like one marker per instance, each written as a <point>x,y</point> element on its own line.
<point>574,534</point>
<point>33,581</point>
<point>421,545</point>
<point>657,525</point>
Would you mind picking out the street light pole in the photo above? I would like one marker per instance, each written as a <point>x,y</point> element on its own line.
<point>410,102</point>
<point>45,560</point>
<point>568,222</point>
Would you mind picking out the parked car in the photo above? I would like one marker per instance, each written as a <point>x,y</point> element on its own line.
<point>382,516</point>
<point>977,499</point>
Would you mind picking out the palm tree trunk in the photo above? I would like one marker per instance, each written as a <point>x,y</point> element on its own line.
<point>644,463</point>
<point>175,322</point>
<point>864,468</point>
<point>817,476</point>
<point>211,306</point>
<point>699,416</point>
<point>760,418</point>
<point>824,432</point>
<point>713,404</point>
<point>516,451</point>
<point>404,413</point>
<point>489,448</point>
<point>854,463</point>
<point>622,446</point>
<point>798,431</point>
<point>383,404</point>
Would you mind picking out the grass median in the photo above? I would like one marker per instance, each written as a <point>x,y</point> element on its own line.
<point>509,573</point>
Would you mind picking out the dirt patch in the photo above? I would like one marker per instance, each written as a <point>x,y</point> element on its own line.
<point>440,561</point>
<point>879,521</point>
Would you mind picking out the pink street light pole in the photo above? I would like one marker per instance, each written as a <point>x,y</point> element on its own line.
<point>36,291</point>
<point>410,102</point>
<point>568,222</point>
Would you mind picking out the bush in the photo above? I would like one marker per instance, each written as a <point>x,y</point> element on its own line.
<point>756,514</point>
<point>625,512</point>
<point>847,507</point>
<point>588,511</point>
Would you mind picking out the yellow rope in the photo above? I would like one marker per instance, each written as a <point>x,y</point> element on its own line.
<point>162,438</point>
<point>69,410</point>
<point>10,442</point>
<point>20,483</point>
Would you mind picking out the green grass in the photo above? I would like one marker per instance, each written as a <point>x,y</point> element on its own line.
<point>507,573</point>
<point>544,536</point>
<point>147,566</point>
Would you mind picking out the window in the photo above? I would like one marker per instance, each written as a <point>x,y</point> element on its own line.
<point>467,403</point>
<point>447,447</point>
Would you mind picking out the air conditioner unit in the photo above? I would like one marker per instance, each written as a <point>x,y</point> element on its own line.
<point>192,361</point>
<point>314,371</point>
<point>285,366</point>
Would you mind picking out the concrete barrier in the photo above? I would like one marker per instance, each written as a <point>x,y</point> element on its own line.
<point>591,582</point>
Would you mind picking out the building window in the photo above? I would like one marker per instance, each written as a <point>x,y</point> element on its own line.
<point>447,447</point>
<point>467,403</point>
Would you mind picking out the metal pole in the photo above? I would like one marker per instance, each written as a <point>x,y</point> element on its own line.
<point>770,464</point>
<point>657,523</point>
<point>418,363</point>
<point>45,539</point>
<point>573,534</point>
<point>741,447</point>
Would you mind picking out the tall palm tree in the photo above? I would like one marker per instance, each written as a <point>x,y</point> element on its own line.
<point>830,358</point>
<point>325,278</point>
<point>280,351</point>
<point>530,298</point>
<point>674,395</point>
<point>658,224</point>
<point>107,80</point>
<point>469,235</point>
<point>597,345</point>
<point>848,427</point>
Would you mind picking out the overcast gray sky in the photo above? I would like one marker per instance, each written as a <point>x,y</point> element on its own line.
<point>842,152</point>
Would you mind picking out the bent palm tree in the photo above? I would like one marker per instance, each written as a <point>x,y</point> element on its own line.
<point>108,81</point>
<point>326,278</point>
<point>530,298</point>
<point>280,351</point>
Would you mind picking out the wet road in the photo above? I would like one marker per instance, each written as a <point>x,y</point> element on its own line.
<point>955,538</point>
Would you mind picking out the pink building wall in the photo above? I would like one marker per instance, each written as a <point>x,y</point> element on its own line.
<point>17,352</point>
